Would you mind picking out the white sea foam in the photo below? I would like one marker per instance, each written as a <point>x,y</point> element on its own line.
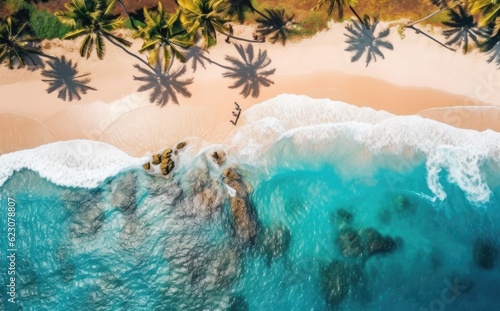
<point>78,163</point>
<point>319,129</point>
<point>301,129</point>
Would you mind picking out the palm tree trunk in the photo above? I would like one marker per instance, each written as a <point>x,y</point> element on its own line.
<point>216,63</point>
<point>427,17</point>
<point>257,11</point>
<point>357,15</point>
<point>128,15</point>
<point>418,31</point>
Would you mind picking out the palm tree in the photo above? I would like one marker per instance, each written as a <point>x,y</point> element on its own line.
<point>247,71</point>
<point>240,7</point>
<point>63,77</point>
<point>204,15</point>
<point>164,85</point>
<point>15,45</point>
<point>463,27</point>
<point>492,47</point>
<point>338,5</point>
<point>489,10</point>
<point>92,19</point>
<point>164,37</point>
<point>362,39</point>
<point>277,24</point>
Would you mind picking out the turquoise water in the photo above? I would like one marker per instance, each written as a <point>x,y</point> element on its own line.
<point>140,242</point>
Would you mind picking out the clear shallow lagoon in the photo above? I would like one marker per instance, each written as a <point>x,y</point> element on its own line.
<point>357,210</point>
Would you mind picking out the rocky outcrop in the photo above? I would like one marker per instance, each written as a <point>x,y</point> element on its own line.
<point>181,145</point>
<point>244,219</point>
<point>164,160</point>
<point>156,159</point>
<point>243,214</point>
<point>219,157</point>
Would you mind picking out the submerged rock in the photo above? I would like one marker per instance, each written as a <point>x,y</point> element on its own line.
<point>274,241</point>
<point>237,303</point>
<point>365,243</point>
<point>376,243</point>
<point>335,283</point>
<point>349,243</point>
<point>484,253</point>
<point>402,204</point>
<point>338,279</point>
<point>147,166</point>
<point>123,192</point>
<point>244,219</point>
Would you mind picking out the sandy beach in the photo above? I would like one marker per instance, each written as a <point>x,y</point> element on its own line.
<point>417,77</point>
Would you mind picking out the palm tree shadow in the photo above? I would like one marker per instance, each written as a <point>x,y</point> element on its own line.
<point>64,77</point>
<point>361,39</point>
<point>248,71</point>
<point>195,56</point>
<point>164,86</point>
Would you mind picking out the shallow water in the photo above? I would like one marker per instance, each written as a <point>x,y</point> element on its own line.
<point>345,222</point>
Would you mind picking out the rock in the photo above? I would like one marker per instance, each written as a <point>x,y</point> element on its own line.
<point>156,159</point>
<point>166,166</point>
<point>349,243</point>
<point>338,279</point>
<point>237,185</point>
<point>219,157</point>
<point>484,253</point>
<point>237,303</point>
<point>180,145</point>
<point>147,166</point>
<point>274,241</point>
<point>376,243</point>
<point>166,153</point>
<point>402,204</point>
<point>123,192</point>
<point>231,173</point>
<point>244,219</point>
<point>335,283</point>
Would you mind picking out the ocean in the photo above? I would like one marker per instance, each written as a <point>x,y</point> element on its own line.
<point>319,205</point>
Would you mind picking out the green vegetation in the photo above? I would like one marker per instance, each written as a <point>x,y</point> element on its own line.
<point>163,37</point>
<point>93,20</point>
<point>15,45</point>
<point>181,30</point>
<point>46,25</point>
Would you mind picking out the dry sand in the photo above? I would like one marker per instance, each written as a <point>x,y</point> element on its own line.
<point>418,77</point>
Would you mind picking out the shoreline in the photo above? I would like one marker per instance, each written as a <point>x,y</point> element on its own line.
<point>416,77</point>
